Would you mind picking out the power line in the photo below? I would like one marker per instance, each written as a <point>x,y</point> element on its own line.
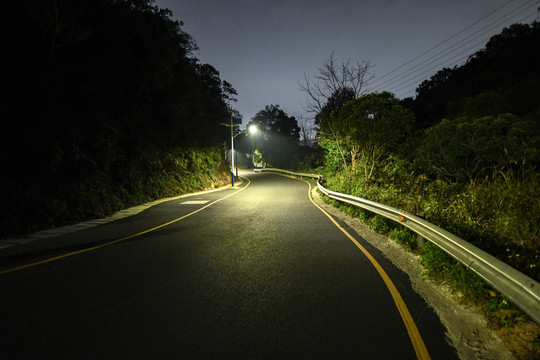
<point>444,41</point>
<point>403,80</point>
<point>415,82</point>
<point>436,66</point>
<point>456,45</point>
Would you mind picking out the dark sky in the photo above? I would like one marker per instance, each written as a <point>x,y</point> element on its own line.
<point>264,47</point>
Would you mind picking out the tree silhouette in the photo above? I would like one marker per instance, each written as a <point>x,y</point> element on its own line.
<point>95,91</point>
<point>279,137</point>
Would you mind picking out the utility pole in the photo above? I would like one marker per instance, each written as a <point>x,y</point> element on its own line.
<point>232,125</point>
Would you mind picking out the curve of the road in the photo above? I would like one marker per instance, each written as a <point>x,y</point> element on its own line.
<point>258,271</point>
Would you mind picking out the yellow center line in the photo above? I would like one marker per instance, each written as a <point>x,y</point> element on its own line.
<point>412,329</point>
<point>121,239</point>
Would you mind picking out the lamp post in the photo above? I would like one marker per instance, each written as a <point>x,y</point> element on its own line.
<point>232,125</point>
<point>252,129</point>
<point>234,156</point>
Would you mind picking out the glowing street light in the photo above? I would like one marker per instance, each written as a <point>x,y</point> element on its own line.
<point>252,130</point>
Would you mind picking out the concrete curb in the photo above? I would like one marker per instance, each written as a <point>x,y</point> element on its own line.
<point>134,210</point>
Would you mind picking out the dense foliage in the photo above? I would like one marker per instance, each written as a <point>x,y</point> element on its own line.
<point>100,95</point>
<point>468,148</point>
<point>467,157</point>
<point>366,130</point>
<point>500,78</point>
<point>278,138</point>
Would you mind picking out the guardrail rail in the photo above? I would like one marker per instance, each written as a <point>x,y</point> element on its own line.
<point>523,291</point>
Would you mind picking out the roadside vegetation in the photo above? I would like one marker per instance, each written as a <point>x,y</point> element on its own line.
<point>464,154</point>
<point>158,174</point>
<point>105,107</point>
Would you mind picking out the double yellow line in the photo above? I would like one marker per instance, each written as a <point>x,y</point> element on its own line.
<point>119,240</point>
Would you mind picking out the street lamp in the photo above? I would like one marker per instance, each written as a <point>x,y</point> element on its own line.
<point>252,130</point>
<point>232,125</point>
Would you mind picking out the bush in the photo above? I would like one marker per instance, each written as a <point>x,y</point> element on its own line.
<point>33,206</point>
<point>380,224</point>
<point>404,237</point>
<point>468,148</point>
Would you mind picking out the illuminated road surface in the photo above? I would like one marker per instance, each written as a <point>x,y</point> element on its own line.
<point>257,272</point>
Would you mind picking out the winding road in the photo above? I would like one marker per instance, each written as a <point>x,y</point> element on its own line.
<point>257,271</point>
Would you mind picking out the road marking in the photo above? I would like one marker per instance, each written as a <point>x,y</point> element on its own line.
<point>194,202</point>
<point>48,233</point>
<point>416,339</point>
<point>121,239</point>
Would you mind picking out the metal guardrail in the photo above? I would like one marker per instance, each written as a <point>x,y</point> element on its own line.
<point>314,176</point>
<point>523,291</point>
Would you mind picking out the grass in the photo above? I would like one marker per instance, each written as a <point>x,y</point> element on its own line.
<point>34,204</point>
<point>500,215</point>
<point>404,237</point>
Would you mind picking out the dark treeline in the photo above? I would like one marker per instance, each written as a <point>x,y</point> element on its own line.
<point>482,118</point>
<point>276,142</point>
<point>503,77</point>
<point>101,97</point>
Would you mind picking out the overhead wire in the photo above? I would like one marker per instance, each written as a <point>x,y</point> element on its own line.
<point>415,82</point>
<point>407,74</point>
<point>446,62</point>
<point>429,72</point>
<point>403,80</point>
<point>493,25</point>
<point>446,40</point>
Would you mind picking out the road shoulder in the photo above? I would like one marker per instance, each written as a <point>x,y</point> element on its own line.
<point>467,329</point>
<point>134,210</point>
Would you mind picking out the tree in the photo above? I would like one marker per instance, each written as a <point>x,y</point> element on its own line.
<point>367,129</point>
<point>279,136</point>
<point>95,90</point>
<point>307,129</point>
<point>466,148</point>
<point>310,152</point>
<point>507,66</point>
<point>228,92</point>
<point>273,120</point>
<point>336,83</point>
<point>333,103</point>
<point>334,80</point>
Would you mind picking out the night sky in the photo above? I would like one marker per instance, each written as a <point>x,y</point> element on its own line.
<point>264,47</point>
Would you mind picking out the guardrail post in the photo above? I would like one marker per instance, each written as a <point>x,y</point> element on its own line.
<point>420,240</point>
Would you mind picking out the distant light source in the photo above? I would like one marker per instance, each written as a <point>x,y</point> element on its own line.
<point>252,129</point>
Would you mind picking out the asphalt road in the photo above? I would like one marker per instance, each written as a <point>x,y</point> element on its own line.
<point>255,272</point>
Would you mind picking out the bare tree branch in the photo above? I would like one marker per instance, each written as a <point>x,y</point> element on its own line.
<point>307,129</point>
<point>334,76</point>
